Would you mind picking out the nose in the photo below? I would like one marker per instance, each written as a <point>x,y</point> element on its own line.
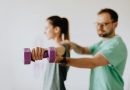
<point>99,27</point>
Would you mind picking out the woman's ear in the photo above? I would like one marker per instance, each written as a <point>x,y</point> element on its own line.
<point>57,30</point>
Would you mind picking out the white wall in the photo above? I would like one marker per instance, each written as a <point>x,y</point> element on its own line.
<point>22,25</point>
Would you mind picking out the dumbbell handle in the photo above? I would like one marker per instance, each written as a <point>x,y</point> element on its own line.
<point>45,54</point>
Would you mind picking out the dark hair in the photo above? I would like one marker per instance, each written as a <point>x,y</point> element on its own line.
<point>113,14</point>
<point>62,23</point>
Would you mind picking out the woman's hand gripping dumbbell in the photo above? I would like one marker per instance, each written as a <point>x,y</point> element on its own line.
<point>40,53</point>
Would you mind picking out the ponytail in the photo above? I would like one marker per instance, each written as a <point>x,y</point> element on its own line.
<point>62,23</point>
<point>65,28</point>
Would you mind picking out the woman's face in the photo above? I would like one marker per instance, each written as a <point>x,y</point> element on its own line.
<point>49,30</point>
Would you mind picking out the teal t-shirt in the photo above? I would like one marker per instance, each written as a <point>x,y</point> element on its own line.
<point>109,77</point>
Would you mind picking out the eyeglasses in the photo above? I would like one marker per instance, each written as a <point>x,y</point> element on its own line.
<point>103,24</point>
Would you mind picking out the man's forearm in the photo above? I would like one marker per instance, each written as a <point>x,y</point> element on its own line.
<point>79,49</point>
<point>81,62</point>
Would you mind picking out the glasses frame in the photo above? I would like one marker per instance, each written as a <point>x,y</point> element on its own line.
<point>103,24</point>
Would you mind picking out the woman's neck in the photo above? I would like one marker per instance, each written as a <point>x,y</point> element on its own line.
<point>57,39</point>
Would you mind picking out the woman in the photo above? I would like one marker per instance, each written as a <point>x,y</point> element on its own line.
<point>57,29</point>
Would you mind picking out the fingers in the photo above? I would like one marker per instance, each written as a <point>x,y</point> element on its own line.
<point>41,53</point>
<point>33,54</point>
<point>37,53</point>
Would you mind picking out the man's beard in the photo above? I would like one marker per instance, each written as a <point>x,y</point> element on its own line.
<point>106,34</point>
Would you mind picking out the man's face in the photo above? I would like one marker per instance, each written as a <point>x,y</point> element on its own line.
<point>105,26</point>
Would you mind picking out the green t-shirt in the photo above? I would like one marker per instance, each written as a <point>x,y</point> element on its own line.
<point>109,77</point>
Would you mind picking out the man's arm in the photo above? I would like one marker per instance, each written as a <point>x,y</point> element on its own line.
<point>77,48</point>
<point>97,60</point>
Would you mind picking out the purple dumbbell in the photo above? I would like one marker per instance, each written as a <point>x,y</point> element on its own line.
<point>50,54</point>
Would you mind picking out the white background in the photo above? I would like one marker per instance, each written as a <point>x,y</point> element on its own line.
<point>22,25</point>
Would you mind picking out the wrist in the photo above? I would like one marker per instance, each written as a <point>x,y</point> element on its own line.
<point>64,61</point>
<point>71,45</point>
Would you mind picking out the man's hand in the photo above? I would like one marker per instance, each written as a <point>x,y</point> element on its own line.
<point>58,59</point>
<point>67,42</point>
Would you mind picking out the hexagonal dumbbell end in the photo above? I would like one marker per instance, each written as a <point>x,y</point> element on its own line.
<point>27,56</point>
<point>51,54</point>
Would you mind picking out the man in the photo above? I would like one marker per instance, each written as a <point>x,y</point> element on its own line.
<point>109,55</point>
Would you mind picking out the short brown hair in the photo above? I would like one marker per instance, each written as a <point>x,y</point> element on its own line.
<point>113,14</point>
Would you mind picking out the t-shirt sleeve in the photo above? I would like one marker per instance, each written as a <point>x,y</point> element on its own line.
<point>113,53</point>
<point>93,47</point>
